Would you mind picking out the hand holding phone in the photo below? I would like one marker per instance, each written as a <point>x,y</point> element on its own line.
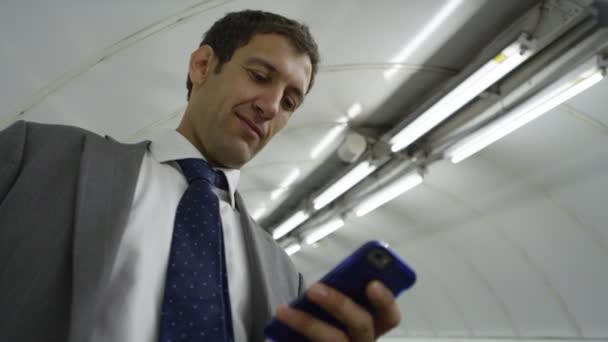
<point>348,309</point>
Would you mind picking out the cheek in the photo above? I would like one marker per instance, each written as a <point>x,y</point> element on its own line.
<point>278,124</point>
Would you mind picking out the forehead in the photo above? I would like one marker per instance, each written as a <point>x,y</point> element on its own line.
<point>278,51</point>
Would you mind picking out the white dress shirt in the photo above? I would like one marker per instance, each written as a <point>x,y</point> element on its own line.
<point>132,303</point>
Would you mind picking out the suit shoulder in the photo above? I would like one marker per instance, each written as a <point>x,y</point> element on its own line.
<point>35,131</point>
<point>37,128</point>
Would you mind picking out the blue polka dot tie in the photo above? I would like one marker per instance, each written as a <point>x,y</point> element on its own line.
<point>196,302</point>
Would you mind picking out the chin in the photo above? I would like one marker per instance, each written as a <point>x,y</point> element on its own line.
<point>236,160</point>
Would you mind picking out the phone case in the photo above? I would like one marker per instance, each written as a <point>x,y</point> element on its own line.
<point>372,261</point>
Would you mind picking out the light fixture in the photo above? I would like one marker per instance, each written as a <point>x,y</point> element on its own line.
<point>323,230</point>
<point>512,56</point>
<point>565,88</point>
<point>353,177</point>
<point>327,140</point>
<point>291,178</point>
<point>354,110</point>
<point>285,184</point>
<point>293,248</point>
<point>388,193</point>
<point>290,224</point>
<point>258,213</point>
<point>275,194</point>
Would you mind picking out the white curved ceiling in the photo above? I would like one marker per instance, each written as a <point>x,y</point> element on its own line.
<point>509,244</point>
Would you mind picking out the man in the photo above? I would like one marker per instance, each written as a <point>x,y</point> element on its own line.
<point>96,236</point>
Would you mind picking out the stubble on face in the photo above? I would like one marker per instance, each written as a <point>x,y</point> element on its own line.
<point>223,109</point>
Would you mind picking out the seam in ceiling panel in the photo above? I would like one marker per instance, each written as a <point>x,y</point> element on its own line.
<point>540,272</point>
<point>130,40</point>
<point>585,118</point>
<point>570,317</point>
<point>402,329</point>
<point>499,230</point>
<point>434,292</point>
<point>452,249</point>
<point>424,315</point>
<point>593,234</point>
<point>444,289</point>
<point>455,251</point>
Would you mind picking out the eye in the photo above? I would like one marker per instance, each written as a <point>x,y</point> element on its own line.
<point>289,104</point>
<point>258,76</point>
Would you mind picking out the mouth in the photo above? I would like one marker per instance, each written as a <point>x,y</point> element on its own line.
<point>255,128</point>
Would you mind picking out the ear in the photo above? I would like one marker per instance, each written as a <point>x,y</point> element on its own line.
<point>201,63</point>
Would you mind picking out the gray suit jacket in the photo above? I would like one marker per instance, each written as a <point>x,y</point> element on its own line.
<point>65,195</point>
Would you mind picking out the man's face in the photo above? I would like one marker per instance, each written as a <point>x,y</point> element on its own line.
<point>232,114</point>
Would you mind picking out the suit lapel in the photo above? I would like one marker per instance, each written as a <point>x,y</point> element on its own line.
<point>274,280</point>
<point>108,176</point>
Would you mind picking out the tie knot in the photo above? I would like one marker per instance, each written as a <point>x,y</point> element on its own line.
<point>198,169</point>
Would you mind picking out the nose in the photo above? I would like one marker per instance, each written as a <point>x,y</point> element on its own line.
<point>268,104</point>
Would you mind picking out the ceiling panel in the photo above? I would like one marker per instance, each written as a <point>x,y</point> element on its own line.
<point>41,41</point>
<point>592,102</point>
<point>524,292</point>
<point>447,320</point>
<point>353,32</point>
<point>579,188</point>
<point>571,260</point>
<point>428,261</point>
<point>481,310</point>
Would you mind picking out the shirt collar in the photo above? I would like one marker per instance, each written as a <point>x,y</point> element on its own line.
<point>171,145</point>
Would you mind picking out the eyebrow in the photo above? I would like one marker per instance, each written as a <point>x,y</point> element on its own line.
<point>273,69</point>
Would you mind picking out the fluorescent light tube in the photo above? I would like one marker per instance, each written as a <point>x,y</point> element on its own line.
<point>258,213</point>
<point>285,184</point>
<point>561,91</point>
<point>388,193</point>
<point>275,194</point>
<point>290,224</point>
<point>353,177</point>
<point>293,175</point>
<point>324,230</point>
<point>293,248</point>
<point>327,140</point>
<point>511,57</point>
<point>354,110</point>
<point>422,36</point>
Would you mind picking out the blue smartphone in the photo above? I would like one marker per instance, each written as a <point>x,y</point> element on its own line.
<point>372,261</point>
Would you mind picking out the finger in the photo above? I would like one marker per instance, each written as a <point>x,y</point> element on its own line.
<point>387,310</point>
<point>359,322</point>
<point>309,326</point>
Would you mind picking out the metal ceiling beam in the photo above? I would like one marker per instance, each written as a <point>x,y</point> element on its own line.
<point>563,19</point>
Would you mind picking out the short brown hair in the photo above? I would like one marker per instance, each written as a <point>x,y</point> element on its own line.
<point>236,29</point>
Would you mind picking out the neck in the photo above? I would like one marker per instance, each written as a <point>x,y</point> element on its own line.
<point>186,130</point>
